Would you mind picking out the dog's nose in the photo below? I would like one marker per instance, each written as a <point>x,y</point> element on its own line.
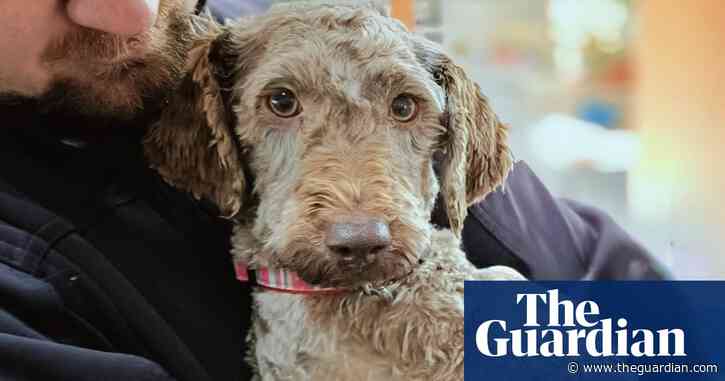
<point>358,237</point>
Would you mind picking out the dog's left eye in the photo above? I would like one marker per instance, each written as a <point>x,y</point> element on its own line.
<point>283,103</point>
<point>404,108</point>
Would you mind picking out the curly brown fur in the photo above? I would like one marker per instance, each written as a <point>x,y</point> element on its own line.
<point>286,180</point>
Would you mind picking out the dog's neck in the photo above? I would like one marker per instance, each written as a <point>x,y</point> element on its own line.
<point>279,280</point>
<point>253,266</point>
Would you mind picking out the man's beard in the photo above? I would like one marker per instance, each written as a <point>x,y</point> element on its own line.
<point>96,76</point>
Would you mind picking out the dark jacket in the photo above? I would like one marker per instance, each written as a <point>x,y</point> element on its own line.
<point>106,273</point>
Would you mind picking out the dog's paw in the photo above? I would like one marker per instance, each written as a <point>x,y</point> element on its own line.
<point>497,273</point>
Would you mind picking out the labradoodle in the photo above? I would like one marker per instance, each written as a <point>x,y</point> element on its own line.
<point>327,133</point>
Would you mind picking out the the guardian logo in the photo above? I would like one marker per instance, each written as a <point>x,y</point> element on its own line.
<point>580,325</point>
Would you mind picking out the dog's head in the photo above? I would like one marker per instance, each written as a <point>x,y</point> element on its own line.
<point>323,126</point>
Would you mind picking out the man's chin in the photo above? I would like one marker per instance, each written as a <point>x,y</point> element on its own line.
<point>114,100</point>
<point>117,93</point>
<point>73,107</point>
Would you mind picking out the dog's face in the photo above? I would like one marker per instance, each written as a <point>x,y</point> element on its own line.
<point>336,114</point>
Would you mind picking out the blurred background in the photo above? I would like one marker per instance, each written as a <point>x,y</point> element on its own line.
<point>616,103</point>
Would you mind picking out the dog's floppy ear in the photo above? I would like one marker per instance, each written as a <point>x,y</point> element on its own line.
<point>193,146</point>
<point>476,154</point>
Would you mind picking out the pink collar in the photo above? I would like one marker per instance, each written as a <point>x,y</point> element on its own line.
<point>279,280</point>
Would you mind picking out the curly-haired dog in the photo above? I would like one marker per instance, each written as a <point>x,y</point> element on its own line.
<point>317,128</point>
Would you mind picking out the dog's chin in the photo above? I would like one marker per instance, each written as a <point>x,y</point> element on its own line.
<point>340,273</point>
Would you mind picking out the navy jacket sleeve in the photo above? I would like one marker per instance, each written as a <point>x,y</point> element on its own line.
<point>103,266</point>
<point>40,338</point>
<point>546,238</point>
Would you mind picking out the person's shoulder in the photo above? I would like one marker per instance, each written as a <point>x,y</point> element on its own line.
<point>556,238</point>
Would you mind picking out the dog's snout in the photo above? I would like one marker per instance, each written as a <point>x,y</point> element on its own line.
<point>358,238</point>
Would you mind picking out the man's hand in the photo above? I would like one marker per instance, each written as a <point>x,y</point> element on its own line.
<point>120,17</point>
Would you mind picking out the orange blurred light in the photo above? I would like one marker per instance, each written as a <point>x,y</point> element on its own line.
<point>404,10</point>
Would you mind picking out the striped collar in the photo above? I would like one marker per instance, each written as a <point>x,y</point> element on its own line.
<point>278,280</point>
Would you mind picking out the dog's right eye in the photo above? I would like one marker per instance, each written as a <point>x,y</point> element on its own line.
<point>404,108</point>
<point>283,103</point>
